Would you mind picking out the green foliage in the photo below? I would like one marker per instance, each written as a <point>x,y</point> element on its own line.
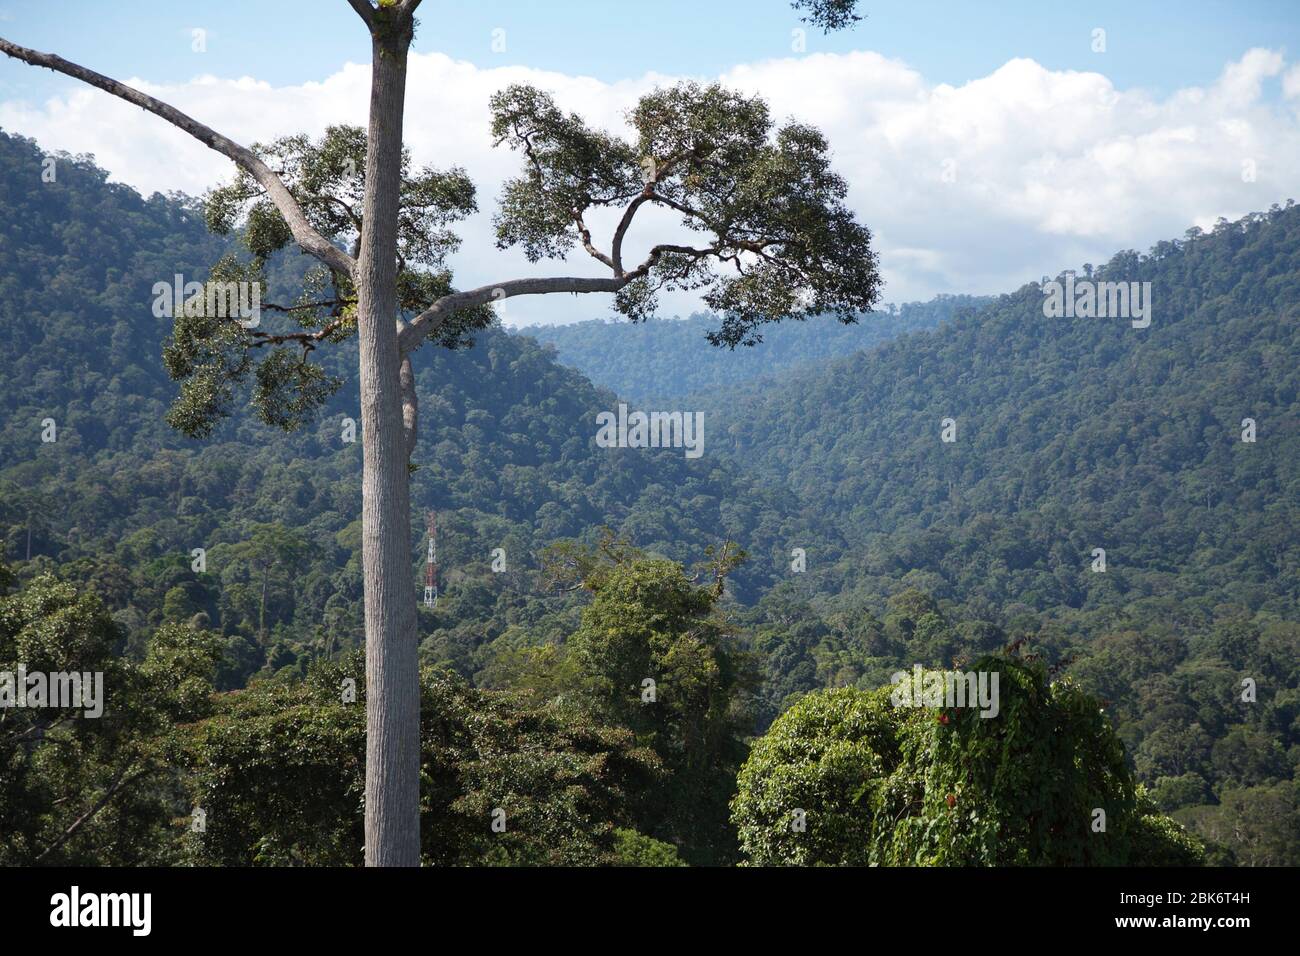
<point>212,354</point>
<point>570,167</point>
<point>829,14</point>
<point>635,849</point>
<point>280,773</point>
<point>1072,434</point>
<point>912,558</point>
<point>119,502</point>
<point>659,362</point>
<point>828,756</point>
<point>1157,840</point>
<point>759,199</point>
<point>653,656</point>
<point>851,778</point>
<point>1250,826</point>
<point>94,790</point>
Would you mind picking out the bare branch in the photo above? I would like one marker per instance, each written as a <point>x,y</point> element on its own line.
<point>312,242</point>
<point>431,319</point>
<point>649,195</point>
<point>685,210</point>
<point>585,233</point>
<point>290,309</point>
<point>347,210</point>
<point>307,340</point>
<point>411,334</point>
<point>364,10</point>
<point>616,249</point>
<point>122,781</point>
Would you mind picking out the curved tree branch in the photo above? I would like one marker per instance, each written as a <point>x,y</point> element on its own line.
<point>428,322</point>
<point>122,781</point>
<point>311,241</point>
<point>364,10</point>
<point>585,235</point>
<point>411,334</point>
<point>616,248</point>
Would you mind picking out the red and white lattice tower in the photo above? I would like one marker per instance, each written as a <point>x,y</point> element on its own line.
<point>431,567</point>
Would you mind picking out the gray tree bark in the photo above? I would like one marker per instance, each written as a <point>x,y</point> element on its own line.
<point>392,665</point>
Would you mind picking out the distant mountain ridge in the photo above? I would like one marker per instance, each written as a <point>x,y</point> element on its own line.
<point>660,361</point>
<point>1070,434</point>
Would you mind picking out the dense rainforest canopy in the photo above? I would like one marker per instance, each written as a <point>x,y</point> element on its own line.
<point>659,363</point>
<point>1072,435</point>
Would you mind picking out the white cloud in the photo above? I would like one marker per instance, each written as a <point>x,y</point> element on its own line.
<point>1291,83</point>
<point>978,187</point>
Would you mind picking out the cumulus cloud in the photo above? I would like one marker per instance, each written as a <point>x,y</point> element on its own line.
<point>971,188</point>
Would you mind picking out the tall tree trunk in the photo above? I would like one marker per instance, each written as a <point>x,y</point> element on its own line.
<point>392,676</point>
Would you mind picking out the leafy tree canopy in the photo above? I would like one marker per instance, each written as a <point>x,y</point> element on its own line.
<point>870,782</point>
<point>773,238</point>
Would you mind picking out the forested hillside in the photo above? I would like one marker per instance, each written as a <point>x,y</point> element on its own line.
<point>660,361</point>
<point>120,500</point>
<point>1070,435</point>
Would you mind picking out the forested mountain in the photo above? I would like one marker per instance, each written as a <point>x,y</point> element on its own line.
<point>1070,435</point>
<point>120,500</point>
<point>659,361</point>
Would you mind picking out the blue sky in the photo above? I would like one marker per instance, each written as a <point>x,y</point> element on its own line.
<point>985,144</point>
<point>1156,46</point>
